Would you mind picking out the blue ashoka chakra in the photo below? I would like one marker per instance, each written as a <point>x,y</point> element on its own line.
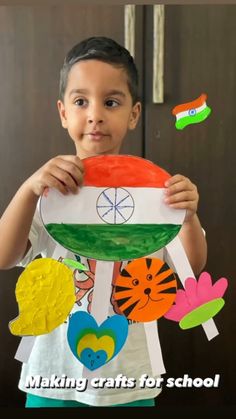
<point>192,112</point>
<point>115,206</point>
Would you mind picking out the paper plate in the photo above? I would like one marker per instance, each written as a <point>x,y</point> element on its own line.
<point>118,214</point>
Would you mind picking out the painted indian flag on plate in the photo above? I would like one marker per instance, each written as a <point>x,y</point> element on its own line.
<point>118,214</point>
<point>191,112</point>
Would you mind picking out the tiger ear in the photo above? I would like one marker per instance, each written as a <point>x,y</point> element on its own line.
<point>148,262</point>
<point>125,273</point>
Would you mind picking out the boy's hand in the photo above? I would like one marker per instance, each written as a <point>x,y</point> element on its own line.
<point>182,193</point>
<point>64,173</point>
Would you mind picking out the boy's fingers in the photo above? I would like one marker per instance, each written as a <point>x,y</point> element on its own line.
<point>65,178</point>
<point>73,159</point>
<point>187,205</point>
<point>184,196</point>
<point>72,169</point>
<point>45,192</point>
<point>181,186</point>
<point>174,179</point>
<point>53,182</point>
<point>180,182</point>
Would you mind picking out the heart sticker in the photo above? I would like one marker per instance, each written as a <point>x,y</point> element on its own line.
<point>95,345</point>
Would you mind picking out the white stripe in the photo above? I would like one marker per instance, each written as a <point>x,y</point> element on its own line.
<point>186,113</point>
<point>154,348</point>
<point>102,290</point>
<point>97,206</point>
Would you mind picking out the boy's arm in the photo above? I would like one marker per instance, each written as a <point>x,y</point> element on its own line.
<point>15,226</point>
<point>64,173</point>
<point>182,193</point>
<point>194,242</point>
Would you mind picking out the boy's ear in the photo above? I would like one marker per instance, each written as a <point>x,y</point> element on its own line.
<point>62,113</point>
<point>134,115</point>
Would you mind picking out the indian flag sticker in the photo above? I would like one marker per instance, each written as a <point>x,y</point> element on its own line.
<point>118,214</point>
<point>191,112</point>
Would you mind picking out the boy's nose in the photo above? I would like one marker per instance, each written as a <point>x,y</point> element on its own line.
<point>95,115</point>
<point>95,120</point>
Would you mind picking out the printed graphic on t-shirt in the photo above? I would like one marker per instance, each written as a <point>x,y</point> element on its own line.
<point>84,285</point>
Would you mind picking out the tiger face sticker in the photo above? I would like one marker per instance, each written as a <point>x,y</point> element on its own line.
<point>145,290</point>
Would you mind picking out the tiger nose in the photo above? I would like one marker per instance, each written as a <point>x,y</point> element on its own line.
<point>147,291</point>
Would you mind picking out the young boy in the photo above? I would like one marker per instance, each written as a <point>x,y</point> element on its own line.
<point>98,104</point>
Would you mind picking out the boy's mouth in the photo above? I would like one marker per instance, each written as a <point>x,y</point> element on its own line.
<point>96,135</point>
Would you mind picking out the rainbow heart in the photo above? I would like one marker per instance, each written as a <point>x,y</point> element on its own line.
<point>95,345</point>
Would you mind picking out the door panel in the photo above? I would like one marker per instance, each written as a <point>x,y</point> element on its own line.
<point>200,57</point>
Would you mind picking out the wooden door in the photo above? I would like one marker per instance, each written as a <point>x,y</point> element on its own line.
<point>33,43</point>
<point>200,57</point>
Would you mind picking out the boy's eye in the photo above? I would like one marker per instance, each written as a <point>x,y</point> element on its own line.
<point>80,102</point>
<point>111,103</point>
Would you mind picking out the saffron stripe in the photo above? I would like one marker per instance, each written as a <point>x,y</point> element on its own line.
<point>119,171</point>
<point>186,113</point>
<point>189,105</point>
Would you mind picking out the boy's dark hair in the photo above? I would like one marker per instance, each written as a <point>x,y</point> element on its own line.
<point>102,49</point>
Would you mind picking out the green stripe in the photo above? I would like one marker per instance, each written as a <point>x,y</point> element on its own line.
<point>113,242</point>
<point>195,119</point>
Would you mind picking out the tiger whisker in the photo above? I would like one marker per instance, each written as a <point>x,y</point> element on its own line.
<point>140,308</point>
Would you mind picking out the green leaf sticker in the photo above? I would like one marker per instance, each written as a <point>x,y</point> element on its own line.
<point>74,264</point>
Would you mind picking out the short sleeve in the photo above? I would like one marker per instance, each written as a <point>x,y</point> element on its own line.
<point>38,238</point>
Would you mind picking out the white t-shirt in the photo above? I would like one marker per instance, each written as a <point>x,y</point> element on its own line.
<point>52,364</point>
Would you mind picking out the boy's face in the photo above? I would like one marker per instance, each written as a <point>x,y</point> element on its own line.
<point>97,109</point>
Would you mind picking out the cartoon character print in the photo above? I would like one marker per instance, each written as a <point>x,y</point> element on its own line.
<point>85,286</point>
<point>145,290</point>
<point>116,272</point>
